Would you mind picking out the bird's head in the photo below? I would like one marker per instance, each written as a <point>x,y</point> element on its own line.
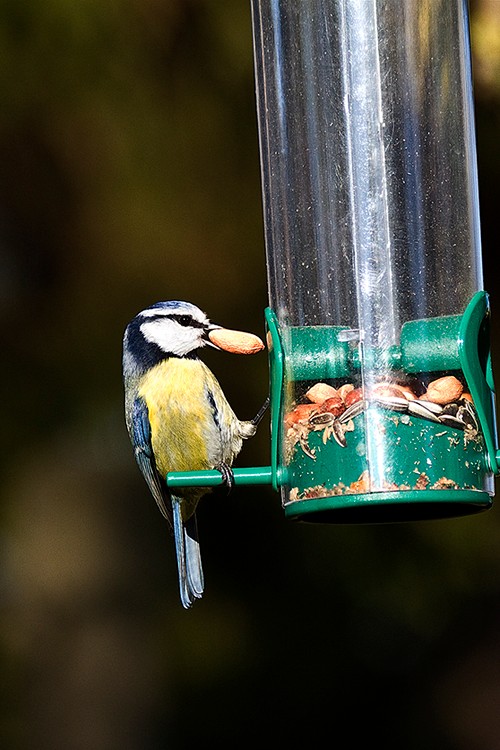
<point>166,329</point>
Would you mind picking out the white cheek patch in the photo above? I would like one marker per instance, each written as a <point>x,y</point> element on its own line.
<point>164,333</point>
<point>171,337</point>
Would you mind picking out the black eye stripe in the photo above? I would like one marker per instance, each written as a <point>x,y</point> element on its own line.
<point>186,320</point>
<point>183,320</point>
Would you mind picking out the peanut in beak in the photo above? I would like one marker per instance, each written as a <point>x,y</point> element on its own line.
<point>236,342</point>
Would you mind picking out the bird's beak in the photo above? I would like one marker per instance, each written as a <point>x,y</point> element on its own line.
<point>236,342</point>
<point>208,335</point>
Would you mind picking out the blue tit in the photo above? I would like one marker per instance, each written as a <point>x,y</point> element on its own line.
<point>178,419</point>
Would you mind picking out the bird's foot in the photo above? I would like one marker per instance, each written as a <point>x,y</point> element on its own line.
<point>258,417</point>
<point>227,475</point>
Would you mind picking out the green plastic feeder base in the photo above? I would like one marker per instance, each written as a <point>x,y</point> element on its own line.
<point>389,461</point>
<point>389,507</point>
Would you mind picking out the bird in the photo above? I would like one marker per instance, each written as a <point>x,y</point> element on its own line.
<point>178,418</point>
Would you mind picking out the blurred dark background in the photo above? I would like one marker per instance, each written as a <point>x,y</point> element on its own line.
<point>128,174</point>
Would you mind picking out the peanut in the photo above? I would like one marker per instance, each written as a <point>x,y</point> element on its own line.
<point>355,395</point>
<point>236,342</point>
<point>407,392</point>
<point>444,390</point>
<point>345,389</point>
<point>301,413</point>
<point>388,390</point>
<point>319,392</point>
<point>333,405</point>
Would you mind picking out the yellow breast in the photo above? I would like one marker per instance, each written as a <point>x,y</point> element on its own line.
<point>180,414</point>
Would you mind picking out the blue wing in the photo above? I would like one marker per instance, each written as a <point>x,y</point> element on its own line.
<point>187,546</point>
<point>144,456</point>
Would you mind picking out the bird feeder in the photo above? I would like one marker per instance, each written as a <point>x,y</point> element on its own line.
<point>378,320</point>
<point>382,396</point>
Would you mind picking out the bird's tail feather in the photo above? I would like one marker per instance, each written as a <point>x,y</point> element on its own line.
<point>187,549</point>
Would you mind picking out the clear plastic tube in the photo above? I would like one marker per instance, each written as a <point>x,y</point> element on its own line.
<point>368,161</point>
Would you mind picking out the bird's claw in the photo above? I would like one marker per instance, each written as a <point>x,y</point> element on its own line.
<point>227,475</point>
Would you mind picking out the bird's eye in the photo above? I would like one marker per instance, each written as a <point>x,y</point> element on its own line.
<point>185,320</point>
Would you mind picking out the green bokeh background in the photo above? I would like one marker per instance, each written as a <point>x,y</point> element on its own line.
<point>129,173</point>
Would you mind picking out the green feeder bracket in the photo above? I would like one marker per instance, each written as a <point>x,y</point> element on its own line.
<point>475,360</point>
<point>276,373</point>
<point>213,478</point>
